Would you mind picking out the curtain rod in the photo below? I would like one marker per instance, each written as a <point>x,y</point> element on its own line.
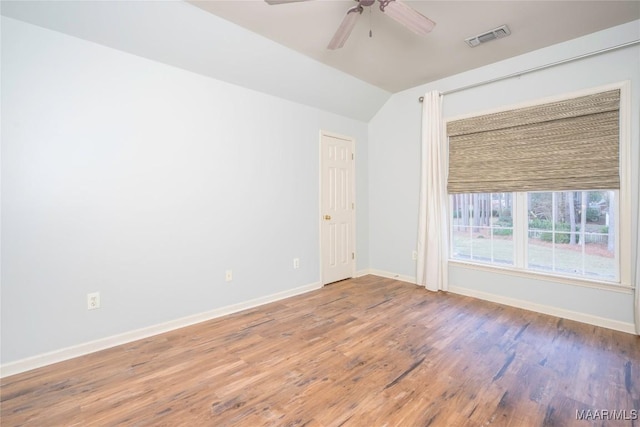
<point>541,67</point>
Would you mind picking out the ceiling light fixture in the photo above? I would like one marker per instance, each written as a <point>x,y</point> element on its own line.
<point>397,10</point>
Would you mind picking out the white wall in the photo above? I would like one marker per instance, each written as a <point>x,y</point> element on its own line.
<point>394,151</point>
<point>146,182</point>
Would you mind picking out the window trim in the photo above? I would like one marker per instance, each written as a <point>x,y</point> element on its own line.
<point>623,240</point>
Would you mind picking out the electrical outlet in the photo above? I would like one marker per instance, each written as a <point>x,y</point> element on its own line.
<point>296,263</point>
<point>414,255</point>
<point>228,276</point>
<point>93,300</point>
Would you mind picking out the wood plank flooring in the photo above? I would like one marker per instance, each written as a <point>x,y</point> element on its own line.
<point>363,352</point>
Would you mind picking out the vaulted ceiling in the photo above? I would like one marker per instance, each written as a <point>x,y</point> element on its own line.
<point>395,59</point>
<point>281,49</point>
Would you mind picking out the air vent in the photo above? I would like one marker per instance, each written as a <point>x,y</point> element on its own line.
<point>496,33</point>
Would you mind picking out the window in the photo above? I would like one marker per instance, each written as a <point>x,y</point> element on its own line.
<point>482,228</point>
<point>568,233</point>
<point>545,188</point>
<point>572,233</point>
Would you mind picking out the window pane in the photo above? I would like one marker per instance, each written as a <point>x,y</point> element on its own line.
<point>482,228</point>
<point>540,254</point>
<point>569,233</point>
<point>503,245</point>
<point>481,244</point>
<point>461,247</point>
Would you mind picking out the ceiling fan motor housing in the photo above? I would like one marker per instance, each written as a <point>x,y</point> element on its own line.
<point>395,9</point>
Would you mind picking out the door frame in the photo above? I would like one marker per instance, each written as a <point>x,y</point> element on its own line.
<point>352,143</point>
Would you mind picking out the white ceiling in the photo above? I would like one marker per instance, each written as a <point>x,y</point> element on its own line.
<point>395,59</point>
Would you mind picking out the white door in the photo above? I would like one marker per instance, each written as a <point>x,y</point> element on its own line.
<point>336,207</point>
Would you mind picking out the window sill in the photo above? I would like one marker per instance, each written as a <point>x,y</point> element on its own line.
<point>574,281</point>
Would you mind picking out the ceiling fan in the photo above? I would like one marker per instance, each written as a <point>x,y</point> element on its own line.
<point>395,9</point>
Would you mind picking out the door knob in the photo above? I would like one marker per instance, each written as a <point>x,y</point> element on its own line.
<point>327,217</point>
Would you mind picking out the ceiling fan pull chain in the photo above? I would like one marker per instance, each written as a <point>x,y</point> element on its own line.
<point>395,9</point>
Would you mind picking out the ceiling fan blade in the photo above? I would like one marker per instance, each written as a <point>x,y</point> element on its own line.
<point>407,16</point>
<point>345,28</point>
<point>272,2</point>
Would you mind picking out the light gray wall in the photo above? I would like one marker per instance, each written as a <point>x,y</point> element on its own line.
<point>146,182</point>
<point>394,144</point>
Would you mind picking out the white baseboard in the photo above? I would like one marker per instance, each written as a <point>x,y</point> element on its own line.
<point>546,309</point>
<point>388,275</point>
<point>364,272</point>
<point>114,340</point>
<point>526,305</point>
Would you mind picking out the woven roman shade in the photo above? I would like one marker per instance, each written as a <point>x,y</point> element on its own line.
<point>565,145</point>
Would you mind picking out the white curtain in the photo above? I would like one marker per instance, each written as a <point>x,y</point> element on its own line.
<point>433,229</point>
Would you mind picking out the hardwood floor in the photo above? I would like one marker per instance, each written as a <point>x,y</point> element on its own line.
<point>363,352</point>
